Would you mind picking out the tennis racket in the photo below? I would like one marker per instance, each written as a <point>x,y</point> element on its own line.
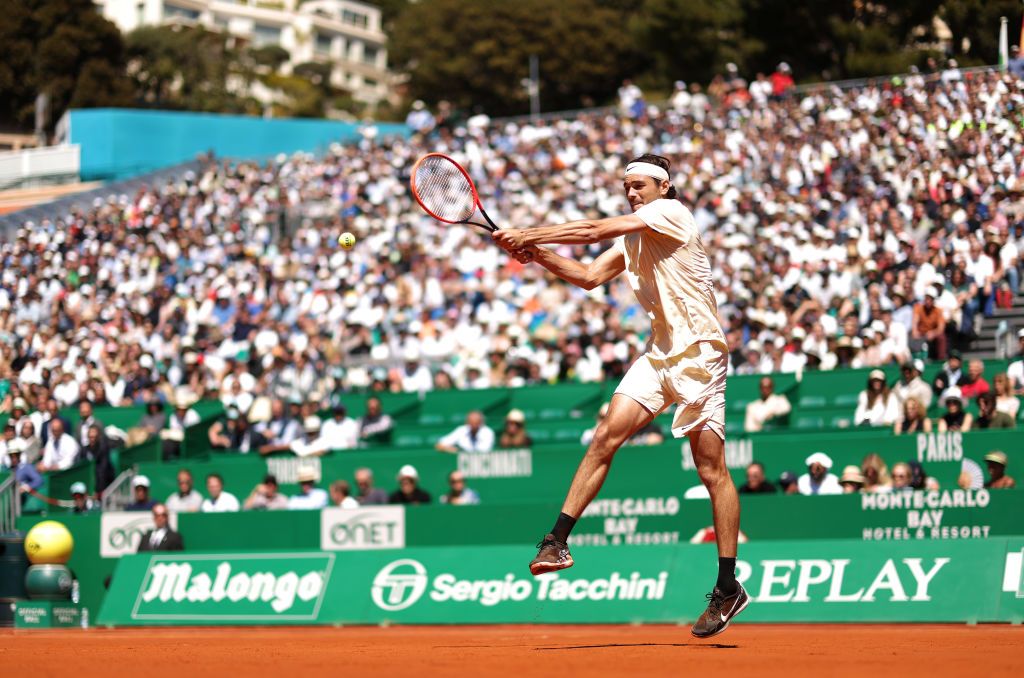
<point>443,189</point>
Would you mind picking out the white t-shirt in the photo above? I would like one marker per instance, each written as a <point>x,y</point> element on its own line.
<point>670,274</point>
<point>461,439</point>
<point>829,485</point>
<point>190,503</point>
<point>225,503</point>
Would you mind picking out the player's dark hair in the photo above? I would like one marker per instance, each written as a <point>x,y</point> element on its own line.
<point>661,162</point>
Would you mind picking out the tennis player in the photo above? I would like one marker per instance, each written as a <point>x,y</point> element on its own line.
<point>660,250</point>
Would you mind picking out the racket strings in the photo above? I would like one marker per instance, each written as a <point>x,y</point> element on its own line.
<point>444,190</point>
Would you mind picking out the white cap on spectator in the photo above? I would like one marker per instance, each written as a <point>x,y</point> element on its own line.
<point>408,471</point>
<point>79,488</point>
<point>311,424</point>
<point>140,481</point>
<point>819,458</point>
<point>1020,333</point>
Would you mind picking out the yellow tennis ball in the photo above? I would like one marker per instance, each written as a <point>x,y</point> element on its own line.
<point>49,542</point>
<point>347,240</point>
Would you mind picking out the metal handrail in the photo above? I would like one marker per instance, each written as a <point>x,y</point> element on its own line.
<point>1004,343</point>
<point>10,504</point>
<point>118,493</point>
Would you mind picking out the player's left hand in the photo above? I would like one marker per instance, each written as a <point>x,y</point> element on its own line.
<point>509,240</point>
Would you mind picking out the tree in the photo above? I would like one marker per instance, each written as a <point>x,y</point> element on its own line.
<point>691,39</point>
<point>977,22</point>
<point>476,54</point>
<point>63,48</point>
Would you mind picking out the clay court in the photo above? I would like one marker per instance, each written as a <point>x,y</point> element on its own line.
<point>854,650</point>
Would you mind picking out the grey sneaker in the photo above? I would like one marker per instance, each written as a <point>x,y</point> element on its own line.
<point>720,613</point>
<point>553,555</point>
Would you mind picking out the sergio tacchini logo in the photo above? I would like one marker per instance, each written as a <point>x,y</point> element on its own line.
<point>399,584</point>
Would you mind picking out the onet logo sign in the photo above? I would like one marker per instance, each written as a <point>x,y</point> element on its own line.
<point>254,587</point>
<point>399,584</point>
<point>121,531</point>
<point>377,527</point>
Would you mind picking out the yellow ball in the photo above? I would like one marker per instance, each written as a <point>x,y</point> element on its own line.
<point>347,240</point>
<point>49,543</point>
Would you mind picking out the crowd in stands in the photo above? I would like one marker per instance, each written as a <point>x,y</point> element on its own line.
<point>847,227</point>
<point>873,476</point>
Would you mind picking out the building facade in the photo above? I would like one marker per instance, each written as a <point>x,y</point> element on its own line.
<point>345,33</point>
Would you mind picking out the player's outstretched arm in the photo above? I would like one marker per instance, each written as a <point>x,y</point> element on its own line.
<point>573,233</point>
<point>588,276</point>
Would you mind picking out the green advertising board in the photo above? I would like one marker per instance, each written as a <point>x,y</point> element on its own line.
<point>824,581</point>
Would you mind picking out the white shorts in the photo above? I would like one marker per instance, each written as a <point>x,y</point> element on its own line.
<point>694,380</point>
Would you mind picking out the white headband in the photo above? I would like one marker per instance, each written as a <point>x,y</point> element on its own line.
<point>647,169</point>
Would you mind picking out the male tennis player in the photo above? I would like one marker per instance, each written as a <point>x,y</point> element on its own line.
<point>660,250</point>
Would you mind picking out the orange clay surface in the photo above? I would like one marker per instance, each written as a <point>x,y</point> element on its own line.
<point>868,651</point>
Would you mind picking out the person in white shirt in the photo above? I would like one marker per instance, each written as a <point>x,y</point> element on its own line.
<point>911,385</point>
<point>473,436</point>
<point>769,406</point>
<point>415,376</point>
<point>876,405</point>
<point>219,501</point>
<point>659,248</point>
<point>60,451</point>
<point>309,497</point>
<point>340,432</point>
<point>818,480</point>
<point>186,499</point>
<point>1016,369</point>
<point>341,495</point>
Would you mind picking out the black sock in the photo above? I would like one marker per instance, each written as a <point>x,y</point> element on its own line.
<point>563,526</point>
<point>726,576</point>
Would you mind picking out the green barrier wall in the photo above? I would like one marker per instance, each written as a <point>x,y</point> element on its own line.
<point>543,473</point>
<point>829,581</point>
<point>615,521</point>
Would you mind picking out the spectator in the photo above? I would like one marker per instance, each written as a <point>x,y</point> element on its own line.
<point>155,418</point>
<point>950,375</point>
<point>314,444</point>
<point>235,433</point>
<point>340,432</point>
<point>140,495</point>
<point>420,119</point>
<point>901,477</point>
<point>631,100</point>
<point>514,434</point>
<point>281,431</point>
<point>80,431</point>
<point>788,483</point>
<point>266,496</point>
<point>997,478</point>
<point>818,480</point>
<point>769,406</point>
<point>80,499</point>
<point>97,450</point>
<point>954,418</point>
<point>473,436</point>
<point>756,483</point>
<point>876,405</point>
<point>60,450</point>
<point>648,434</point>
<point>341,495</point>
<point>310,496</point>
<point>913,419</point>
<point>974,384</point>
<point>1005,400</point>
<point>588,435</point>
<point>1015,372</point>
<point>161,537</point>
<point>375,427</point>
<point>219,501</point>
<point>781,81</point>
<point>852,480</point>
<point>1016,62</point>
<point>930,326</point>
<point>25,475</point>
<point>408,491</point>
<point>415,376</point>
<point>180,420</point>
<point>458,494</point>
<point>368,494</point>
<point>186,499</point>
<point>876,474</point>
<point>911,385</point>
<point>989,416</point>
<point>32,445</point>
